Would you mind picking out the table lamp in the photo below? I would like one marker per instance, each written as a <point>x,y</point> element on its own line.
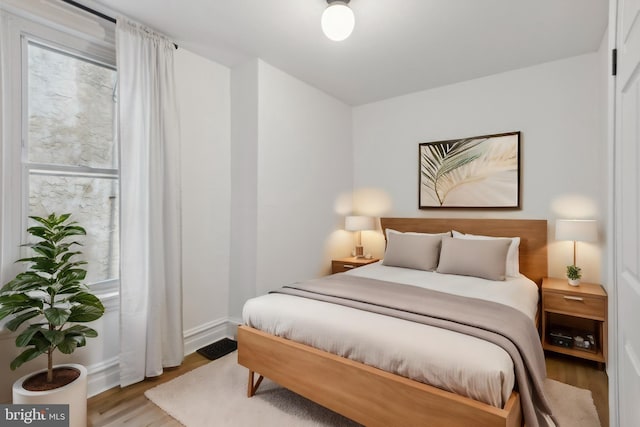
<point>359,224</point>
<point>577,230</point>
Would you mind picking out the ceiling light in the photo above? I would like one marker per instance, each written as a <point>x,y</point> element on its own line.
<point>338,20</point>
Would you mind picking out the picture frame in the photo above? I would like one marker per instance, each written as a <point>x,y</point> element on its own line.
<point>476,172</point>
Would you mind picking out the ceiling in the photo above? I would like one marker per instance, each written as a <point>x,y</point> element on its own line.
<point>397,47</point>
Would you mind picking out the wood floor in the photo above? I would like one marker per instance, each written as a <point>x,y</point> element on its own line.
<point>129,407</point>
<point>583,374</point>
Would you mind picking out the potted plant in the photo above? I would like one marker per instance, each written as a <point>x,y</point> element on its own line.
<point>574,274</point>
<point>50,295</point>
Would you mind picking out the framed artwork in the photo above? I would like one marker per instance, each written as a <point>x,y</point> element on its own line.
<point>477,172</point>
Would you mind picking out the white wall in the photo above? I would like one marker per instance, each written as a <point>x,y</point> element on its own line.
<point>555,106</point>
<point>304,166</point>
<point>606,84</point>
<point>203,89</point>
<point>244,185</point>
<point>291,161</point>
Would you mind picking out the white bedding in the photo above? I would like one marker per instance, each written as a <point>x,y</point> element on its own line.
<point>516,292</point>
<point>455,362</point>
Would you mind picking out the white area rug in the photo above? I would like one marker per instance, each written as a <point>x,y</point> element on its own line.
<point>216,395</point>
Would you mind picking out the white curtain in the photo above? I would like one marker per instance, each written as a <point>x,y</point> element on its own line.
<point>150,225</point>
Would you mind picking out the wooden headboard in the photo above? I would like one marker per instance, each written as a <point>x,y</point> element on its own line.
<point>532,233</point>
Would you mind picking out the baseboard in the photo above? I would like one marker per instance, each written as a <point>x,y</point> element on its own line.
<point>205,334</point>
<point>103,376</point>
<point>232,327</point>
<point>106,374</point>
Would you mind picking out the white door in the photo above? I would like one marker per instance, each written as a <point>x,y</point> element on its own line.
<point>627,217</point>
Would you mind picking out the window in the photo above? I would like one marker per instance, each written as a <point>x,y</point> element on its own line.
<point>70,152</point>
<point>59,145</point>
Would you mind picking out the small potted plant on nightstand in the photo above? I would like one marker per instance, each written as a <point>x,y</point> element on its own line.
<point>574,274</point>
<point>50,295</point>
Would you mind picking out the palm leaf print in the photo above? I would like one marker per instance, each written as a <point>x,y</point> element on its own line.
<point>441,161</point>
<point>481,164</point>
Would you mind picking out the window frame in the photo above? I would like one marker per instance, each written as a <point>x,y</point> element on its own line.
<point>60,29</point>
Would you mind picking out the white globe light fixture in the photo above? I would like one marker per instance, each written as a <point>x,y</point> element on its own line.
<point>338,20</point>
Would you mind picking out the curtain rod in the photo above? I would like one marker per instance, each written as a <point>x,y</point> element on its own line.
<point>95,12</point>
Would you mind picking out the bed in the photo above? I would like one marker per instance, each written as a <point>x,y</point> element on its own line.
<point>374,396</point>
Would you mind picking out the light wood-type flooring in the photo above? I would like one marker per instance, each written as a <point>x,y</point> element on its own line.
<point>583,374</point>
<point>129,407</point>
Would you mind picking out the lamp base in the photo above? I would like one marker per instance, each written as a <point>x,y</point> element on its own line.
<point>359,252</point>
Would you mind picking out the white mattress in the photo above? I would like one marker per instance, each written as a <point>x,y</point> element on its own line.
<point>455,362</point>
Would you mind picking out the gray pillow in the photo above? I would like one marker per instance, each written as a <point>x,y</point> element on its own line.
<point>513,256</point>
<point>479,258</point>
<point>412,250</point>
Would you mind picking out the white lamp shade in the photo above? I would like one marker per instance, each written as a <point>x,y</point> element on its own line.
<point>584,230</point>
<point>359,223</point>
<point>338,21</point>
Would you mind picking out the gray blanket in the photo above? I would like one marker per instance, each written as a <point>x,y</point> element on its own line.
<point>504,326</point>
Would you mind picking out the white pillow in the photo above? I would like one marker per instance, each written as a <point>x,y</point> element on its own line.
<point>513,255</point>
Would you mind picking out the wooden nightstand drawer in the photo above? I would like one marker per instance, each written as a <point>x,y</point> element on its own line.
<point>340,267</point>
<point>346,264</point>
<point>578,305</point>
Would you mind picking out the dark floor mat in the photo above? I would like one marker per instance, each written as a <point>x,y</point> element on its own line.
<point>218,349</point>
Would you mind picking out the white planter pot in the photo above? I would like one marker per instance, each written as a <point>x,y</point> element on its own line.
<point>574,282</point>
<point>74,394</point>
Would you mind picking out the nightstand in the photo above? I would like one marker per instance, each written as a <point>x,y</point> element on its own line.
<point>570,312</point>
<point>345,264</point>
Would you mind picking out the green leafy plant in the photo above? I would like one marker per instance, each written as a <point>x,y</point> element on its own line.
<point>573,272</point>
<point>51,293</point>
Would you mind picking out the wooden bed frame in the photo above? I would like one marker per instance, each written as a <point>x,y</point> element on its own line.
<point>374,397</point>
